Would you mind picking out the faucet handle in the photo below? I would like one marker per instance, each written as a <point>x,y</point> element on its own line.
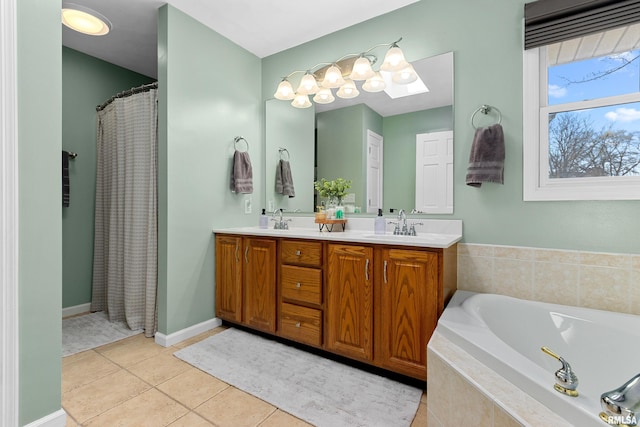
<point>412,230</point>
<point>566,379</point>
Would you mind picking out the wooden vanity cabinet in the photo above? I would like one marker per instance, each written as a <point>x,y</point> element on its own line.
<point>246,281</point>
<point>374,303</point>
<point>301,296</point>
<point>259,282</point>
<point>350,301</point>
<point>407,299</point>
<point>229,277</point>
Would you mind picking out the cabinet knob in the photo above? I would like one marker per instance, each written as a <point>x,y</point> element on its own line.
<point>298,253</point>
<point>298,284</point>
<point>297,324</point>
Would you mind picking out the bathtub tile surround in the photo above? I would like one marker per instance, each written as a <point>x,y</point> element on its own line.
<point>487,399</point>
<point>602,281</point>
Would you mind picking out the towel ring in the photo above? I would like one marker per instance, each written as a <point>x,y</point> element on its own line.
<point>238,139</point>
<point>282,151</point>
<point>485,109</point>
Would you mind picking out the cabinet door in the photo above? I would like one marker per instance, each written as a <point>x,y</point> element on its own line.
<point>260,283</point>
<point>350,301</point>
<point>407,309</point>
<point>229,278</point>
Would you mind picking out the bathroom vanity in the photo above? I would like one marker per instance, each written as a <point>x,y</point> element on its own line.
<point>372,298</point>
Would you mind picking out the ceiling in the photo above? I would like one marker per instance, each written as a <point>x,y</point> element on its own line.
<point>259,26</point>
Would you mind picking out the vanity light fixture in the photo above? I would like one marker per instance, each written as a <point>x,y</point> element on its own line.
<point>85,20</point>
<point>342,75</point>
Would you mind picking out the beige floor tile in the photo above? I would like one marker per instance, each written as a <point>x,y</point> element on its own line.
<point>423,398</point>
<point>101,395</point>
<point>159,369</point>
<point>191,420</point>
<point>149,409</point>
<point>192,387</point>
<point>76,357</point>
<point>132,350</point>
<point>280,418</point>
<point>86,369</point>
<point>420,419</point>
<point>235,408</point>
<point>71,422</point>
<point>199,337</point>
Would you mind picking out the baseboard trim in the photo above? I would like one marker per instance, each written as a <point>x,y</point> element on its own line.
<point>76,309</point>
<point>186,333</point>
<point>55,419</point>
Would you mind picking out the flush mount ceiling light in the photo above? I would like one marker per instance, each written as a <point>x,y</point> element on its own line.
<point>343,74</point>
<point>85,20</point>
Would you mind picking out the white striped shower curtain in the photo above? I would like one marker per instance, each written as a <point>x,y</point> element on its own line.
<point>125,262</point>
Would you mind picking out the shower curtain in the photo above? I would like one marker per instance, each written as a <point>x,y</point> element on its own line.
<point>125,243</point>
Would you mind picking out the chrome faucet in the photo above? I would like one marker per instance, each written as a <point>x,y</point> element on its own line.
<point>566,379</point>
<point>402,222</point>
<point>622,405</point>
<point>280,224</point>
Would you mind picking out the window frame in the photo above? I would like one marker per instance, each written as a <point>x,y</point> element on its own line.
<point>537,186</point>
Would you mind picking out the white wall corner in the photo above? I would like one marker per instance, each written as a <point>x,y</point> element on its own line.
<point>55,419</point>
<point>186,333</point>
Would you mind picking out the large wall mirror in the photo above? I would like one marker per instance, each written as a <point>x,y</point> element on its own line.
<point>398,152</point>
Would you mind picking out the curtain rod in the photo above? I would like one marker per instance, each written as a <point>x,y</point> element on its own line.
<point>124,94</point>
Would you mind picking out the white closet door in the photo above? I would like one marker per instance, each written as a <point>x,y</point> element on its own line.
<point>434,172</point>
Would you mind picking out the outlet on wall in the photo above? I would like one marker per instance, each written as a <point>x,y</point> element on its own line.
<point>247,205</point>
<point>271,207</point>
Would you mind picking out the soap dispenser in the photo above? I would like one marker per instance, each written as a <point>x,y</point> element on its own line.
<point>264,221</point>
<point>380,225</point>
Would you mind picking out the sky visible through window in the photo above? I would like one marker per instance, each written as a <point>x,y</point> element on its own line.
<point>602,141</point>
<point>595,78</point>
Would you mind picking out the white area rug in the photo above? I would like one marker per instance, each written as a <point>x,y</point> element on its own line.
<point>317,390</point>
<point>90,331</point>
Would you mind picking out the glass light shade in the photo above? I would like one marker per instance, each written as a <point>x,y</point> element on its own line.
<point>393,60</point>
<point>374,84</point>
<point>405,76</point>
<point>332,78</point>
<point>324,96</point>
<point>301,101</point>
<point>85,20</point>
<point>308,85</point>
<point>361,69</point>
<point>284,91</point>
<point>348,90</point>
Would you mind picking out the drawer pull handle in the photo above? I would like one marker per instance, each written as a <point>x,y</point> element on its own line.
<point>246,254</point>
<point>297,324</point>
<point>366,269</point>
<point>298,284</point>
<point>298,253</point>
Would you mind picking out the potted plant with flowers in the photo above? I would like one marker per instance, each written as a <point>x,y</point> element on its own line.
<point>334,190</point>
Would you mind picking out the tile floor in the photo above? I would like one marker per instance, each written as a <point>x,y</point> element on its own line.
<point>135,382</point>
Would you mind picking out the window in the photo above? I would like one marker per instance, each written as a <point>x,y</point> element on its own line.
<point>582,118</point>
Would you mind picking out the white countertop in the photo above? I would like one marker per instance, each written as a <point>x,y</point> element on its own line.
<point>434,233</point>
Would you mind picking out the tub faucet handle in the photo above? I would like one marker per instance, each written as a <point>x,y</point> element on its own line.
<point>566,379</point>
<point>622,403</point>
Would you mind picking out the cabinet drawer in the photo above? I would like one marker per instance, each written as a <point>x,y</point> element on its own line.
<point>301,253</point>
<point>301,324</point>
<point>301,284</point>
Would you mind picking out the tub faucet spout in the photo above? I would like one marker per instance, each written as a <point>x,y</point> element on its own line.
<point>622,404</point>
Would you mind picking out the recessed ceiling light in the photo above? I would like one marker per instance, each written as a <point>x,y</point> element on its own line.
<point>85,20</point>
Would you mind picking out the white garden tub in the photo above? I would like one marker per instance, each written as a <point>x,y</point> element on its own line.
<point>506,334</point>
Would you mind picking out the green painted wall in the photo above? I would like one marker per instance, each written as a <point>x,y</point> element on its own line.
<point>40,204</point>
<point>400,152</point>
<point>202,107</point>
<point>342,140</point>
<point>486,38</point>
<point>86,82</point>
